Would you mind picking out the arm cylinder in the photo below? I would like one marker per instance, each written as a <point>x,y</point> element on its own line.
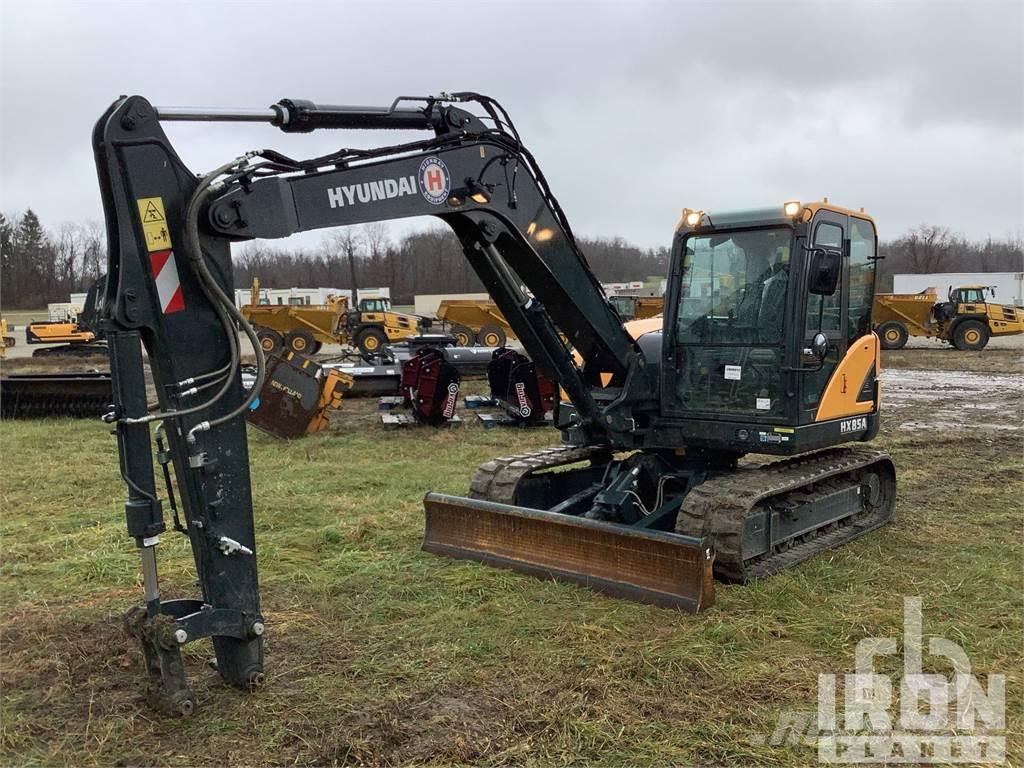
<point>301,116</point>
<point>217,114</point>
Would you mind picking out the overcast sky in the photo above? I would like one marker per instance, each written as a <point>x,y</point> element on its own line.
<point>913,110</point>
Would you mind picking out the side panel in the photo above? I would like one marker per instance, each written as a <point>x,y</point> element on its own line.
<point>851,391</point>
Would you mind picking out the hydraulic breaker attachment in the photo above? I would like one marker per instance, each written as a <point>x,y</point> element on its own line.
<point>643,565</point>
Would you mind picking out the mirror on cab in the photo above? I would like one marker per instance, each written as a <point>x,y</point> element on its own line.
<point>819,346</point>
<point>823,271</point>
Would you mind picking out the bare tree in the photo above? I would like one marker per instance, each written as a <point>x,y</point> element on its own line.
<point>348,244</point>
<point>928,247</point>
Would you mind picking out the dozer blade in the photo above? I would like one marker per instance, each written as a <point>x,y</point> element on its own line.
<point>665,569</point>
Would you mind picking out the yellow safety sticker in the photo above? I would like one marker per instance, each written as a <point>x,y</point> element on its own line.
<point>154,223</point>
<point>785,430</point>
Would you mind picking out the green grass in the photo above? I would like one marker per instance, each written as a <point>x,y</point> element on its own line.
<point>380,654</point>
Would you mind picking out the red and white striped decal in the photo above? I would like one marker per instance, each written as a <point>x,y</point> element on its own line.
<point>168,287</point>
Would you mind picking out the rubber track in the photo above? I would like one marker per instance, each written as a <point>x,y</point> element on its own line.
<point>719,507</point>
<point>497,480</point>
<point>94,349</point>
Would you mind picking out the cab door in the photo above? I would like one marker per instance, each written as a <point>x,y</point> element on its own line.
<point>825,314</point>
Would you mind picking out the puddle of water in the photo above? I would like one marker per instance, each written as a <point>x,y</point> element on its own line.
<point>922,379</point>
<point>951,426</point>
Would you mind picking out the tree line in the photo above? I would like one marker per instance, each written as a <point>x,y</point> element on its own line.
<point>40,265</point>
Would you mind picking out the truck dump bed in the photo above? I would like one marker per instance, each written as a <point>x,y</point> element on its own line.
<point>321,320</point>
<point>914,310</point>
<point>473,314</point>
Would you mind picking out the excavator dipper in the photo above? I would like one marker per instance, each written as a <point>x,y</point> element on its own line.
<point>765,348</point>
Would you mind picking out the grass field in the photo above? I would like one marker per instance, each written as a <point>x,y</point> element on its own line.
<point>380,654</point>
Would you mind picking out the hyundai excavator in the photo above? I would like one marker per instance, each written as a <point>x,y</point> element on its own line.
<point>765,348</point>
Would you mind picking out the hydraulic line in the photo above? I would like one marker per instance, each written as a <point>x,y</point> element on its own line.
<point>276,164</point>
<point>219,302</point>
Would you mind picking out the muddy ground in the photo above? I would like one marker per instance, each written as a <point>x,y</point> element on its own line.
<point>379,654</point>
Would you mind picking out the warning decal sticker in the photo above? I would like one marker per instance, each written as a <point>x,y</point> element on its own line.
<point>168,287</point>
<point>154,223</point>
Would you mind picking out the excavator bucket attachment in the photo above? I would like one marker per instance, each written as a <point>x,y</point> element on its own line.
<point>296,396</point>
<point>646,566</point>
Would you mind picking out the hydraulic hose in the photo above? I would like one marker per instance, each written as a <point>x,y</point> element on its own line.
<point>223,307</point>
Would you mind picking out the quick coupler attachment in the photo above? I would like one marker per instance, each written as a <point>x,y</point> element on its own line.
<point>167,690</point>
<point>237,640</point>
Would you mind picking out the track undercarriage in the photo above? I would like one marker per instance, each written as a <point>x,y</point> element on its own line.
<point>647,509</point>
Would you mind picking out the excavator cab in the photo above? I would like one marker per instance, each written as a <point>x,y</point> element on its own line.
<point>750,294</point>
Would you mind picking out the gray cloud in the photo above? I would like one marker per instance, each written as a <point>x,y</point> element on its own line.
<point>915,111</point>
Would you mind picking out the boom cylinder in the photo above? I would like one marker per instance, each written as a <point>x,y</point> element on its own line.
<point>143,513</point>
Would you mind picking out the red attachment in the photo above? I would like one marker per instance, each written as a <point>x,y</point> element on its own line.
<point>430,386</point>
<point>514,379</point>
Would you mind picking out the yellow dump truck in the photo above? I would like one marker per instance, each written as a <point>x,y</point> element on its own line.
<point>480,322</point>
<point>965,319</point>
<point>5,340</point>
<point>474,321</point>
<point>304,328</point>
<point>637,307</point>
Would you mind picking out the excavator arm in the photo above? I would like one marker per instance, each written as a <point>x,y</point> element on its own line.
<point>169,288</point>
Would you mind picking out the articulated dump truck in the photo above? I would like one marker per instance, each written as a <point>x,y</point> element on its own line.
<point>647,496</point>
<point>966,319</point>
<point>305,328</point>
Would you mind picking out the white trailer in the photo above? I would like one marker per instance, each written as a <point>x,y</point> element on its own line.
<point>306,296</point>
<point>1009,285</point>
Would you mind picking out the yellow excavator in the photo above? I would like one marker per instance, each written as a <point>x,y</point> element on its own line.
<point>81,336</point>
<point>765,347</point>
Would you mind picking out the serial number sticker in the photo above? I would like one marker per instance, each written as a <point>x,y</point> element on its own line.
<point>764,403</point>
<point>154,223</point>
<point>733,372</point>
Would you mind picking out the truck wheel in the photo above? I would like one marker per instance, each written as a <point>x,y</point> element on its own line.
<point>491,336</point>
<point>892,335</point>
<point>270,341</point>
<point>970,335</point>
<point>317,346</point>
<point>464,335</point>
<point>371,340</point>
<point>300,342</point>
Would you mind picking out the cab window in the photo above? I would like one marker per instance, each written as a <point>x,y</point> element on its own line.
<point>823,312</point>
<point>734,287</point>
<point>862,276</point>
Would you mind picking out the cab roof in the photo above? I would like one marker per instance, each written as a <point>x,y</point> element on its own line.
<point>765,217</point>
